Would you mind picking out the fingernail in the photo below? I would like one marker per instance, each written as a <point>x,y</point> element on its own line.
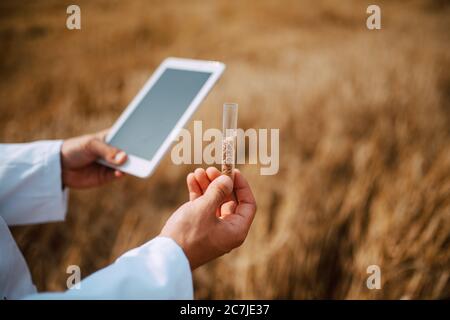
<point>120,157</point>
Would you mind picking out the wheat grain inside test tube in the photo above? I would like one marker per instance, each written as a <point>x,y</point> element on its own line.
<point>230,114</point>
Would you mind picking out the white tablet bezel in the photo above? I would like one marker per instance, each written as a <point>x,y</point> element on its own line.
<point>141,167</point>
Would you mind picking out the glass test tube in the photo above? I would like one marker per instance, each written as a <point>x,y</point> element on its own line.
<point>230,113</point>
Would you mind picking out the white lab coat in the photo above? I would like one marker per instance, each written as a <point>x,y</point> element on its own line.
<point>31,192</point>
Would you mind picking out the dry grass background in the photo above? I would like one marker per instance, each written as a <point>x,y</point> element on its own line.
<point>364,119</point>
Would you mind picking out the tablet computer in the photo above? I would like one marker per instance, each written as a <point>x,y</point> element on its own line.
<point>155,117</point>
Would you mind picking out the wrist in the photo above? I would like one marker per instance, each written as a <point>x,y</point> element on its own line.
<point>182,245</point>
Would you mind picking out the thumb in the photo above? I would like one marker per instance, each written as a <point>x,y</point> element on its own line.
<point>217,192</point>
<point>106,152</point>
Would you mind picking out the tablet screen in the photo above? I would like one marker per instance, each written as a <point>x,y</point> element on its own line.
<point>154,118</point>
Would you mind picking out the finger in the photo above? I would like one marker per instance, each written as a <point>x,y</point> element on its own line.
<point>101,134</point>
<point>193,187</point>
<point>106,152</point>
<point>105,175</point>
<point>246,201</point>
<point>119,173</point>
<point>229,207</point>
<point>202,179</point>
<point>91,176</point>
<point>217,193</point>
<point>212,173</point>
<point>242,189</point>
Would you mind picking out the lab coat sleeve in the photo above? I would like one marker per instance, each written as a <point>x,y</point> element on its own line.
<point>30,183</point>
<point>156,270</point>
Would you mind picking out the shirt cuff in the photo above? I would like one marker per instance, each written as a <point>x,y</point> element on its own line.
<point>32,184</point>
<point>156,270</point>
<point>168,267</point>
<point>58,205</point>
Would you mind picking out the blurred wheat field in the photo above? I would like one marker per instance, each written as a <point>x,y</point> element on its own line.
<point>364,119</point>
